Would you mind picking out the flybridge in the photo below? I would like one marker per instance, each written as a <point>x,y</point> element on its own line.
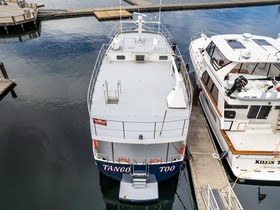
<point>248,48</point>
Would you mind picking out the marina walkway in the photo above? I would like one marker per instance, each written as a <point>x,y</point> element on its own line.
<point>210,181</point>
<point>143,6</point>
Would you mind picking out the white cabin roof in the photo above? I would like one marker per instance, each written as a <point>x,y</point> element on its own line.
<point>144,85</point>
<point>248,48</point>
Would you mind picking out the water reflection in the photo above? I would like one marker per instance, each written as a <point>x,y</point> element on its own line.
<point>17,33</point>
<point>110,192</point>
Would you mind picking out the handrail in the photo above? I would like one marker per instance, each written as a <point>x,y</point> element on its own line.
<point>94,74</point>
<point>149,26</point>
<point>150,130</point>
<point>209,198</point>
<point>109,158</point>
<point>229,198</point>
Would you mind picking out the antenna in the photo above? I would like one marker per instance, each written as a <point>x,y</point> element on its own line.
<point>159,16</point>
<point>121,14</point>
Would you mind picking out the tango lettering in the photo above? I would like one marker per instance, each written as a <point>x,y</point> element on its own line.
<point>120,169</point>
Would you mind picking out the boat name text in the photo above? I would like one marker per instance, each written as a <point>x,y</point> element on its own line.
<point>124,169</point>
<point>267,162</point>
<point>121,169</point>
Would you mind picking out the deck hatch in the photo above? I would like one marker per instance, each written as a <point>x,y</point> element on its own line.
<point>234,44</point>
<point>262,42</point>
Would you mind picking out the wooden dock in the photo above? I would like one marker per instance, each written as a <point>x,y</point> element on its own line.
<point>14,13</point>
<point>210,181</point>
<point>143,6</point>
<point>138,2</point>
<point>5,84</point>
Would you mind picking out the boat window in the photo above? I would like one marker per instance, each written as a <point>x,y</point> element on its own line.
<point>210,86</point>
<point>228,106</point>
<point>205,77</point>
<point>258,112</point>
<point>261,69</point>
<point>262,42</point>
<point>234,44</point>
<point>217,59</point>
<point>163,57</point>
<point>215,93</point>
<point>253,112</point>
<point>210,49</point>
<point>230,114</point>
<point>264,112</point>
<point>140,58</point>
<point>277,107</point>
<point>120,57</point>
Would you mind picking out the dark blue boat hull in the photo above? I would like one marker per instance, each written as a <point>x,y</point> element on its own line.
<point>161,171</point>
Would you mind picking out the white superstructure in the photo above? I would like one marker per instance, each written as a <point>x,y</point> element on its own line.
<point>139,103</point>
<point>239,78</point>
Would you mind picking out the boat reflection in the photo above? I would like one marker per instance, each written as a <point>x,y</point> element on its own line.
<point>110,192</point>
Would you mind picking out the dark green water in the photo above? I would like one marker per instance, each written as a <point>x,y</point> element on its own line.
<point>45,147</point>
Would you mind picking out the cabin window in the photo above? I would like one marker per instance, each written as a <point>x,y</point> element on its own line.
<point>217,59</point>
<point>210,49</point>
<point>215,93</point>
<point>258,112</point>
<point>277,107</point>
<point>140,58</point>
<point>228,106</point>
<point>163,57</point>
<point>205,77</point>
<point>262,69</point>
<point>230,114</point>
<point>120,57</point>
<point>210,86</point>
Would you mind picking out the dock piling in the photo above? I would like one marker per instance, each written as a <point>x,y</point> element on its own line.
<point>3,70</point>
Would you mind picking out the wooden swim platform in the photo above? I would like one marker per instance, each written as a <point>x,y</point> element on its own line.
<point>210,180</point>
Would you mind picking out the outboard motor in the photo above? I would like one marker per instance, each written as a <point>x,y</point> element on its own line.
<point>239,83</point>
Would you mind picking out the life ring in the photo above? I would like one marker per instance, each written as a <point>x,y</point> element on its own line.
<point>95,144</point>
<point>155,161</point>
<point>123,160</point>
<point>182,149</point>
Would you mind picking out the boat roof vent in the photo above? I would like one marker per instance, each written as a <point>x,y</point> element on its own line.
<point>246,53</point>
<point>247,36</point>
